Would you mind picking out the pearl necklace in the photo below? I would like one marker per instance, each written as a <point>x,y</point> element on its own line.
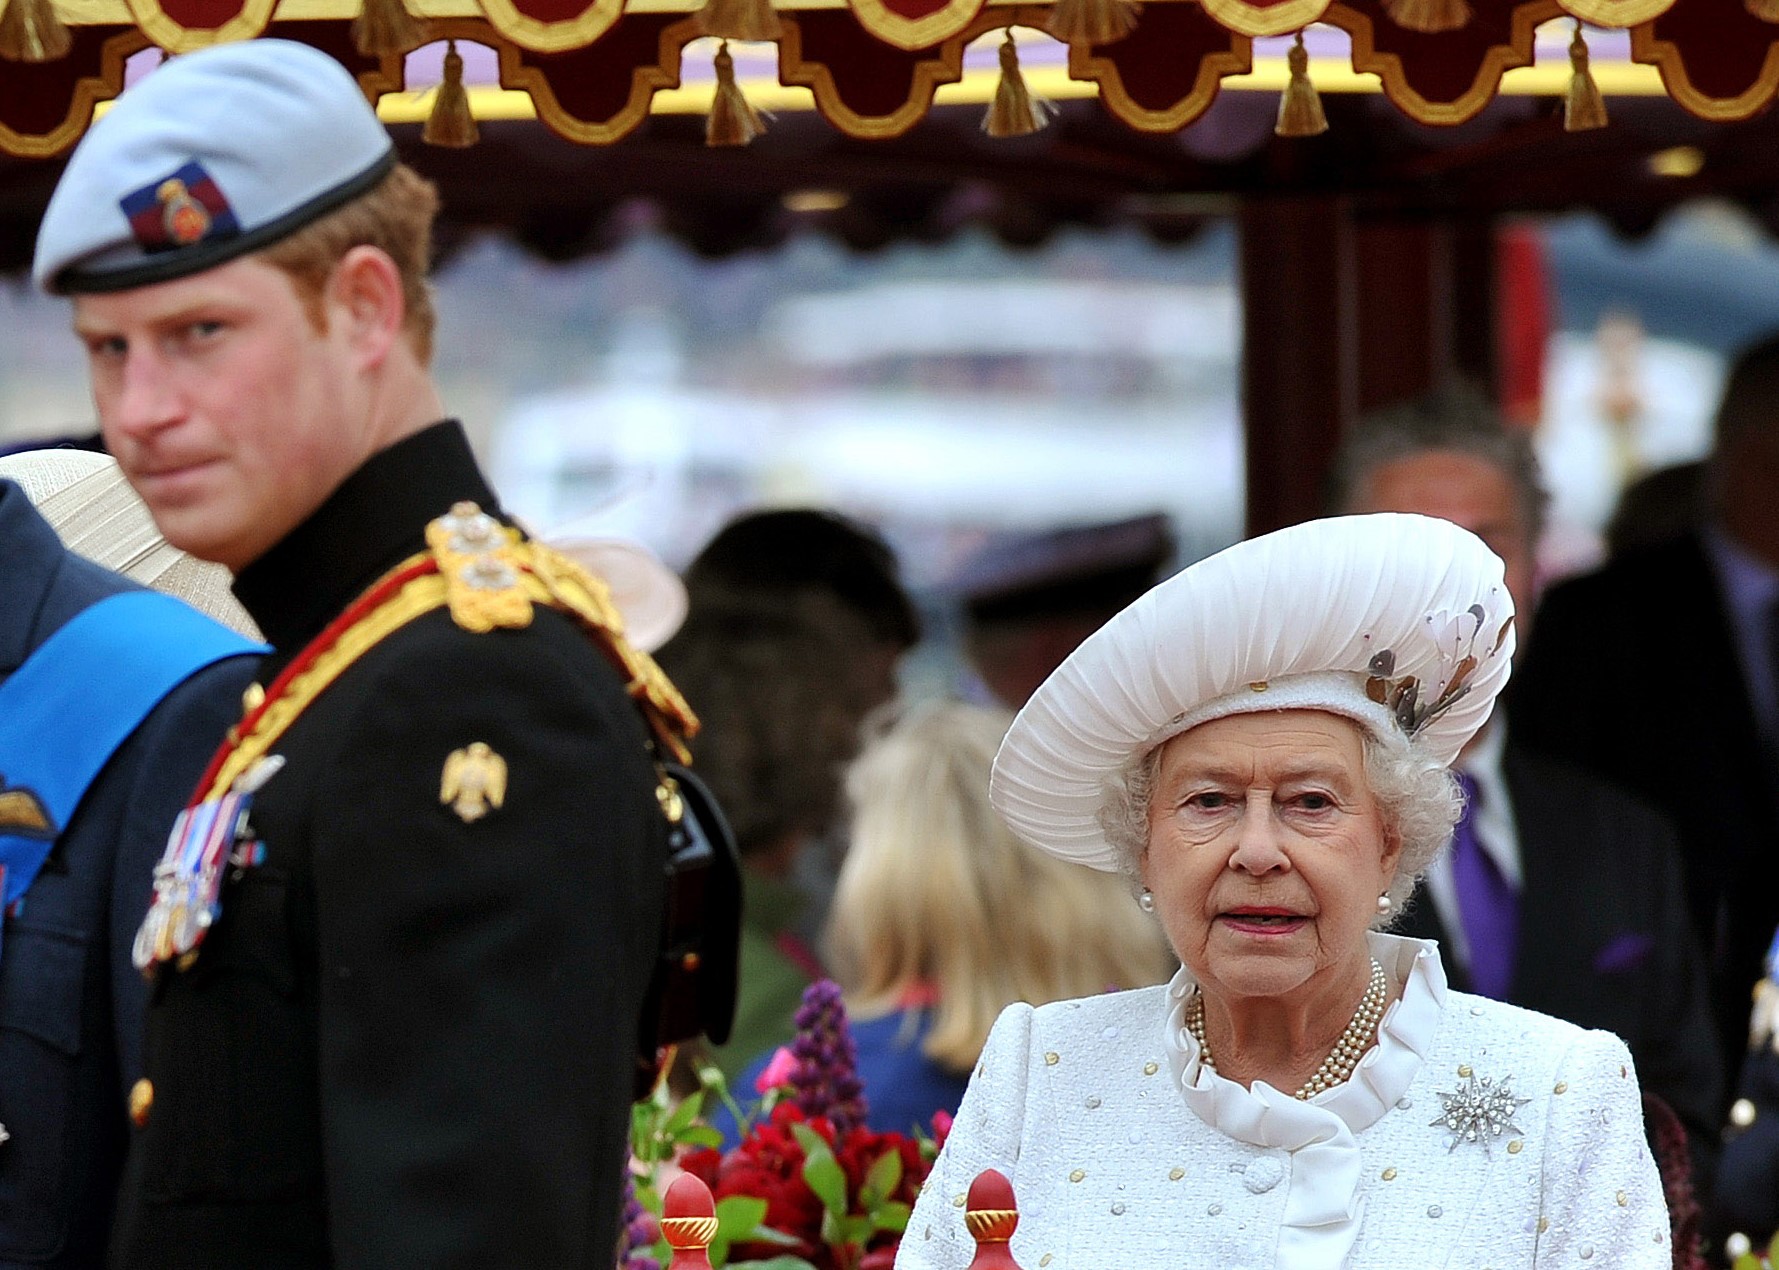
<point>1338,1067</point>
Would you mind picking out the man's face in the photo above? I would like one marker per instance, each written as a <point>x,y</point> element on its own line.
<point>1473,494</point>
<point>230,413</point>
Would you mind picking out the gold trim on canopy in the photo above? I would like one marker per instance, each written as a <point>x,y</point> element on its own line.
<point>915,33</point>
<point>1483,88</point>
<point>160,27</point>
<point>1616,13</point>
<point>89,91</point>
<point>1668,58</point>
<point>1259,20</point>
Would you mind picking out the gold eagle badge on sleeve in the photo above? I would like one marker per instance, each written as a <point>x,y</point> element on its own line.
<point>474,782</point>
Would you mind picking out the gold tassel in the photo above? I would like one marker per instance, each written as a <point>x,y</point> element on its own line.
<point>451,123</point>
<point>1092,21</point>
<point>1014,111</point>
<point>740,20</point>
<point>32,31</point>
<point>385,27</point>
<point>1583,108</point>
<point>1429,17</point>
<point>1300,109</point>
<point>732,121</point>
<point>1765,10</point>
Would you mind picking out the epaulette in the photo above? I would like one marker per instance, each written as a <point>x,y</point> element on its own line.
<point>490,578</point>
<point>493,576</point>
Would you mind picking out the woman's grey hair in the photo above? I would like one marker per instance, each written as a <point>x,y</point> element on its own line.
<point>1420,802</point>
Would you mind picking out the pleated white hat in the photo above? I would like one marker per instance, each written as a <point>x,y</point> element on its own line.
<point>85,499</point>
<point>1402,623</point>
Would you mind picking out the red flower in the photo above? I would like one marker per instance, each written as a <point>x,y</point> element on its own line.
<point>768,1164</point>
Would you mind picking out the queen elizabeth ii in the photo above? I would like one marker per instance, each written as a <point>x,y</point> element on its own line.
<point>1261,744</point>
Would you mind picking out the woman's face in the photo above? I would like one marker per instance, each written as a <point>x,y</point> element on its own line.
<point>1267,852</point>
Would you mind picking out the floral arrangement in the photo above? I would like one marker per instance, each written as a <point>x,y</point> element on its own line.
<point>808,1186</point>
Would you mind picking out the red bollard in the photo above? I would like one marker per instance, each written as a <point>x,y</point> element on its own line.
<point>991,1215</point>
<point>688,1223</point>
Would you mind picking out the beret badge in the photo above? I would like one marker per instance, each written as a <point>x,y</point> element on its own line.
<point>179,210</point>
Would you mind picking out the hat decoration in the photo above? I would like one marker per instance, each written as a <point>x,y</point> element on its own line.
<point>1402,623</point>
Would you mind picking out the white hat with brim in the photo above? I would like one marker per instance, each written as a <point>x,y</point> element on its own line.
<point>85,499</point>
<point>1402,623</point>
<point>650,597</point>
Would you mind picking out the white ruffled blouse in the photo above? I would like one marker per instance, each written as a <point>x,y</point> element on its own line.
<point>1125,1150</point>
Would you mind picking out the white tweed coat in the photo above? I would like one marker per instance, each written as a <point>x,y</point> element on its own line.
<point>1124,1150</point>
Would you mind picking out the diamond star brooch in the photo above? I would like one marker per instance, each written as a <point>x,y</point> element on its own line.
<point>1480,1110</point>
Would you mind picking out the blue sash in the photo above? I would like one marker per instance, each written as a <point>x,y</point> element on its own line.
<point>76,699</point>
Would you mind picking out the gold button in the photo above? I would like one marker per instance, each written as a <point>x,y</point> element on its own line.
<point>141,1101</point>
<point>1743,1113</point>
<point>1175,1174</point>
<point>1149,1069</point>
<point>1046,1259</point>
<point>1562,1087</point>
<point>1052,1059</point>
<point>1077,1175</point>
<point>1464,1072</point>
<point>1623,1199</point>
<point>252,698</point>
<point>1543,1224</point>
<point>1516,1146</point>
<point>1389,1175</point>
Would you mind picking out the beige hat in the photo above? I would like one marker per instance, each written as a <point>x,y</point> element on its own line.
<point>86,500</point>
<point>648,594</point>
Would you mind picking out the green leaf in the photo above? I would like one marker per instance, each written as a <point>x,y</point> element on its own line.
<point>826,1178</point>
<point>768,1235</point>
<point>737,1215</point>
<point>891,1216</point>
<point>855,1230</point>
<point>881,1181</point>
<point>702,1135</point>
<point>776,1263</point>
<point>684,1114</point>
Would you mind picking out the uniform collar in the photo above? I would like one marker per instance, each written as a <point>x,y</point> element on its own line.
<point>371,523</point>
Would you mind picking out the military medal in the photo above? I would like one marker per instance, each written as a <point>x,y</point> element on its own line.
<point>206,839</point>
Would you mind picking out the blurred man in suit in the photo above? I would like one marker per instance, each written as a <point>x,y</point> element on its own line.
<point>1661,672</point>
<point>1560,893</point>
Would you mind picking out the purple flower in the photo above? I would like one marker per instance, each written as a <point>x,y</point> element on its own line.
<point>638,1236</point>
<point>825,1077</point>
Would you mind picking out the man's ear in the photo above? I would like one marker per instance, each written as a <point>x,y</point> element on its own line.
<point>365,292</point>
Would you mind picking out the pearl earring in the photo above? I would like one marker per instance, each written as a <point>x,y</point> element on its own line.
<point>1383,903</point>
<point>1146,900</point>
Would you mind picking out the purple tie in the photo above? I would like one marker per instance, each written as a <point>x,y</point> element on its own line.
<point>1487,904</point>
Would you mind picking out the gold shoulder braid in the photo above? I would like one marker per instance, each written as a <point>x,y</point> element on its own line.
<point>489,577</point>
<point>493,576</point>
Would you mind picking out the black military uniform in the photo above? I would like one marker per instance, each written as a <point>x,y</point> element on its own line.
<point>408,1039</point>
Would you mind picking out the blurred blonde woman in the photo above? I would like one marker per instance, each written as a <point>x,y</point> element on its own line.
<point>942,918</point>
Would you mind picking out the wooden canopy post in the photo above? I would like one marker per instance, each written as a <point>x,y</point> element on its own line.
<point>1299,351</point>
<point>1343,315</point>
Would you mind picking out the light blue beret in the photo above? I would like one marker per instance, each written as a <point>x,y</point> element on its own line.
<point>216,154</point>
